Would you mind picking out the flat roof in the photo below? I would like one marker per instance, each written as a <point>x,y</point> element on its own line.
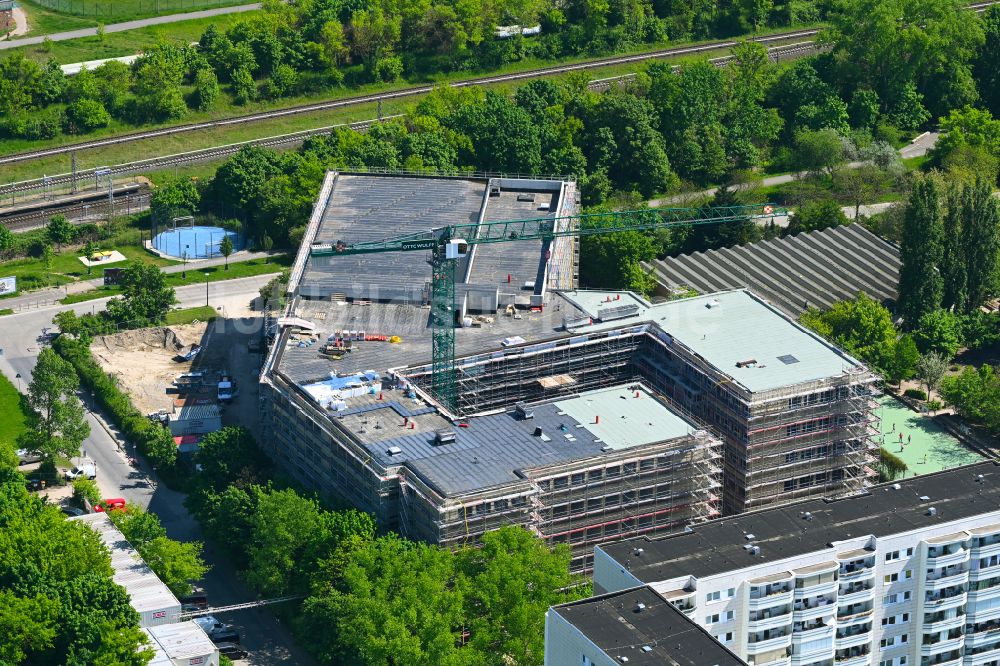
<point>622,417</point>
<point>733,327</point>
<point>716,547</point>
<point>658,634</point>
<point>181,640</point>
<point>146,591</point>
<point>497,448</point>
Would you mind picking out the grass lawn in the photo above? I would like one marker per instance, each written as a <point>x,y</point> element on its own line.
<point>129,42</point>
<point>926,447</point>
<point>196,275</point>
<point>5,311</point>
<point>42,21</point>
<point>60,15</point>
<point>188,315</point>
<point>12,422</point>
<point>66,267</point>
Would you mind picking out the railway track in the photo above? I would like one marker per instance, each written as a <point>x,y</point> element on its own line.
<point>406,92</point>
<point>77,212</point>
<point>293,138</point>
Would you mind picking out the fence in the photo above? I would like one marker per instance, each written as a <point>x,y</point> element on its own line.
<point>117,9</point>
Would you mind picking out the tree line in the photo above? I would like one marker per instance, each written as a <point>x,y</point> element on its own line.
<point>311,47</point>
<point>375,599</point>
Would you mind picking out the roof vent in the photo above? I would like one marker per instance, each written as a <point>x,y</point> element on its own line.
<point>623,659</point>
<point>980,478</point>
<point>925,498</point>
<point>807,515</point>
<point>755,550</point>
<point>394,450</point>
<point>748,547</point>
<point>714,303</point>
<point>647,648</point>
<point>749,363</point>
<point>896,486</point>
<point>788,359</point>
<point>638,552</point>
<point>639,607</point>
<point>522,412</point>
<point>538,431</point>
<point>444,437</point>
<point>749,537</point>
<point>931,511</point>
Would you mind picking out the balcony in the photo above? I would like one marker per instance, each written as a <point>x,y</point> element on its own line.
<point>805,612</point>
<point>856,660</point>
<point>946,559</point>
<point>853,639</point>
<point>942,582</point>
<point>780,661</point>
<point>947,645</point>
<point>772,622</point>
<point>945,624</point>
<point>981,658</point>
<point>985,573</point>
<point>983,637</point>
<point>770,644</point>
<point>975,614</point>
<point>768,600</point>
<point>848,598</point>
<point>855,618</point>
<point>946,602</point>
<point>812,634</point>
<point>857,575</point>
<point>813,657</point>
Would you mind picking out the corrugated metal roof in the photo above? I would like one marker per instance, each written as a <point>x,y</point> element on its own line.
<point>197,412</point>
<point>182,640</point>
<point>817,268</point>
<point>146,591</point>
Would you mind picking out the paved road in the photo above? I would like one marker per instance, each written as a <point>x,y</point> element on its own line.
<point>266,638</point>
<point>128,25</point>
<point>42,298</point>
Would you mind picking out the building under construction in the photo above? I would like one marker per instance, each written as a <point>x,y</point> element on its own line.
<point>585,416</point>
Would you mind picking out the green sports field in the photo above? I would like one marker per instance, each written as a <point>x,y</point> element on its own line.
<point>925,446</point>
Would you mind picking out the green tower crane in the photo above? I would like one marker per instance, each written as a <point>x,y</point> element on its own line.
<point>450,243</point>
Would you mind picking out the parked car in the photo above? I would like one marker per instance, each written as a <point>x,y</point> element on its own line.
<point>211,625</point>
<point>232,650</point>
<point>110,504</point>
<point>86,470</point>
<point>25,457</point>
<point>197,599</point>
<point>227,635</point>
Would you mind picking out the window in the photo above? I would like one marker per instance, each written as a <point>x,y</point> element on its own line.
<point>712,619</point>
<point>891,578</point>
<point>730,593</point>
<point>715,618</point>
<point>892,556</point>
<point>909,552</point>
<point>713,596</point>
<point>725,638</point>
<point>586,661</point>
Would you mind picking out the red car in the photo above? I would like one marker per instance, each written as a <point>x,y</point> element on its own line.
<point>111,504</point>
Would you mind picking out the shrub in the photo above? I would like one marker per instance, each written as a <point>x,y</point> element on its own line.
<point>916,394</point>
<point>890,467</point>
<point>85,489</point>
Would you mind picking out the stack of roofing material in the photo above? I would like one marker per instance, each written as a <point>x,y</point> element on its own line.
<point>817,268</point>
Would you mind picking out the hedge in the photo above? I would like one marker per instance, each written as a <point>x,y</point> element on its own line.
<point>916,394</point>
<point>151,439</point>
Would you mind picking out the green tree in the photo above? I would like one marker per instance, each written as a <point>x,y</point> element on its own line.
<point>206,89</point>
<point>984,65</point>
<point>174,198</point>
<point>89,250</point>
<point>59,231</point>
<point>512,581</point>
<point>931,369</point>
<point>610,261</point>
<point>231,456</point>
<point>145,295</point>
<point>226,248</point>
<point>862,326</point>
<point>265,243</point>
<point>7,241</point>
<point>244,86</point>
<point>885,45</point>
<point>27,626</point>
<point>56,425</point>
<point>503,136</point>
<point>85,115</point>
<point>975,393</point>
<point>864,109</point>
<point>816,215</point>
<point>954,271</point>
<point>819,151</point>
<point>981,240</point>
<point>938,331</point>
<point>176,563</point>
<point>903,362</point>
<point>920,282</point>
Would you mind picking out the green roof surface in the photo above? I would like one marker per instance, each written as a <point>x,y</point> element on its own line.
<point>621,420</point>
<point>925,446</point>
